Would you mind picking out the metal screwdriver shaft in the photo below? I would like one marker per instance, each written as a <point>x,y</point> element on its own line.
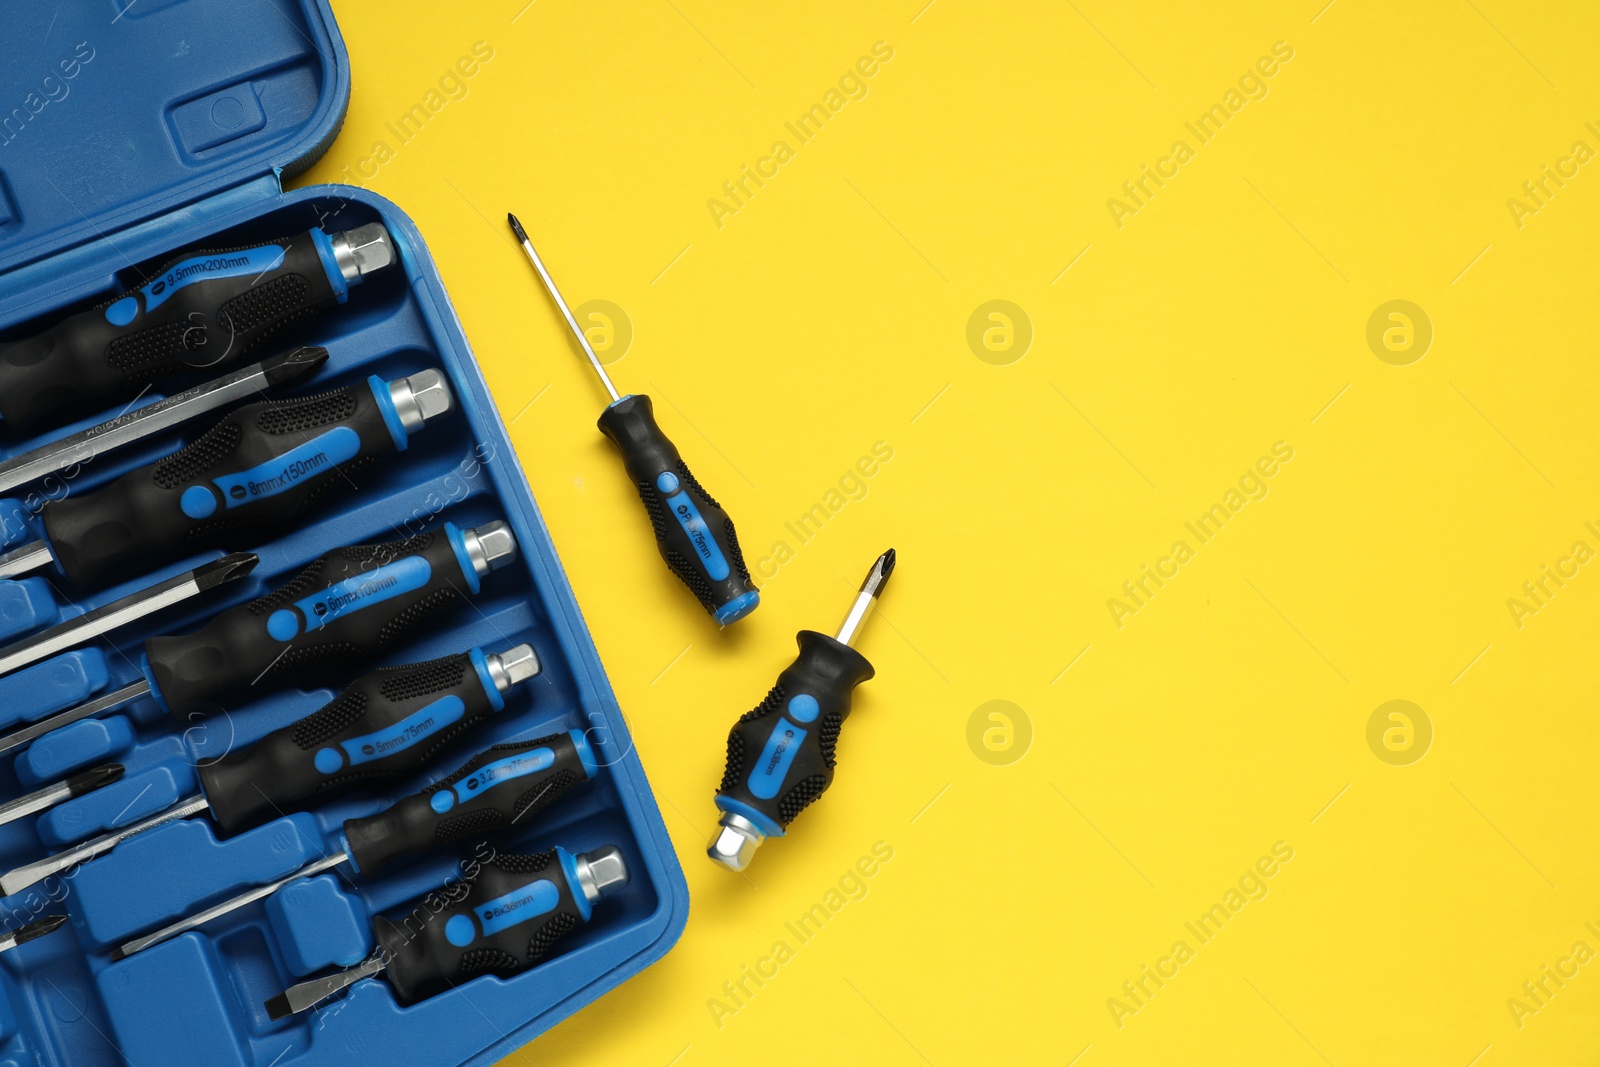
<point>31,932</point>
<point>694,534</point>
<point>566,313</point>
<point>51,795</point>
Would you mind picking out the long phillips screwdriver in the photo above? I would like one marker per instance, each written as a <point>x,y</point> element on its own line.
<point>349,604</point>
<point>203,310</point>
<point>502,787</point>
<point>261,467</point>
<point>134,606</point>
<point>492,931</point>
<point>384,726</point>
<point>79,448</point>
<point>693,532</point>
<point>781,754</point>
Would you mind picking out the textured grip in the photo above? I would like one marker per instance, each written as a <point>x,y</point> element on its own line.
<point>204,310</point>
<point>781,754</point>
<point>515,911</point>
<point>504,786</point>
<point>349,604</point>
<point>694,534</point>
<point>255,471</point>
<point>387,724</point>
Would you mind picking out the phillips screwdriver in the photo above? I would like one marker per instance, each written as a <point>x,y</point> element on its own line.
<point>781,754</point>
<point>134,606</point>
<point>51,795</point>
<point>350,604</point>
<point>287,368</point>
<point>695,536</point>
<point>204,309</point>
<point>260,467</point>
<point>385,725</point>
<point>497,789</point>
<point>515,912</point>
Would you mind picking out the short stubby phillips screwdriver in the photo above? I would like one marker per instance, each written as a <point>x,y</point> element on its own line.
<point>384,726</point>
<point>695,536</point>
<point>501,788</point>
<point>516,910</point>
<point>260,468</point>
<point>781,754</point>
<point>350,604</point>
<point>205,310</point>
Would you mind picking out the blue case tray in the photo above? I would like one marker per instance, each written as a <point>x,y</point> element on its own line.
<point>174,135</point>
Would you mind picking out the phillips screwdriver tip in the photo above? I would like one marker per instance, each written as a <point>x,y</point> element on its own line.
<point>227,569</point>
<point>516,227</point>
<point>48,924</point>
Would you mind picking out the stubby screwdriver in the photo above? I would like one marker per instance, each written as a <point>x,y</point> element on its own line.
<point>515,912</point>
<point>386,725</point>
<point>502,787</point>
<point>695,536</point>
<point>349,604</point>
<point>781,754</point>
<point>259,468</point>
<point>203,310</point>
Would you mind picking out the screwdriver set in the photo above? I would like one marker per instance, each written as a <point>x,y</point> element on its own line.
<point>306,755</point>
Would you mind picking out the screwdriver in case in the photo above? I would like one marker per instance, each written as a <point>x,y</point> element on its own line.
<point>350,604</point>
<point>51,795</point>
<point>695,536</point>
<point>498,789</point>
<point>781,754</point>
<point>203,310</point>
<point>518,907</point>
<point>261,467</point>
<point>384,726</point>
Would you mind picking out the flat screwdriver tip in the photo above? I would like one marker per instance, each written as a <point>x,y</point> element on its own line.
<point>516,227</point>
<point>118,955</point>
<point>278,1006</point>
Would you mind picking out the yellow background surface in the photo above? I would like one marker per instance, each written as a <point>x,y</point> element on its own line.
<point>1147,759</point>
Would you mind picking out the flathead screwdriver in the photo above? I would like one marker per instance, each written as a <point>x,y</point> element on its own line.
<point>503,787</point>
<point>384,726</point>
<point>517,908</point>
<point>693,532</point>
<point>349,604</point>
<point>781,754</point>
<point>203,310</point>
<point>262,467</point>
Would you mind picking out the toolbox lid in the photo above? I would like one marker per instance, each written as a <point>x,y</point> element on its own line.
<point>117,112</point>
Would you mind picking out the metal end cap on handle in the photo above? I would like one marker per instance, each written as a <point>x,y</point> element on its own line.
<point>602,872</point>
<point>491,546</point>
<point>421,398</point>
<point>513,666</point>
<point>362,250</point>
<point>736,842</point>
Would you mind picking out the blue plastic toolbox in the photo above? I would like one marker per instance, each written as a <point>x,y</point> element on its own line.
<point>130,132</point>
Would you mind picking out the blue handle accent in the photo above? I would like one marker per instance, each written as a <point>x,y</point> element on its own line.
<point>783,744</point>
<point>278,475</point>
<point>418,726</point>
<point>705,546</point>
<point>196,269</point>
<point>745,811</point>
<point>591,766</point>
<point>352,594</point>
<point>518,766</point>
<point>737,608</point>
<point>569,867</point>
<point>386,408</point>
<point>458,541</point>
<point>330,263</point>
<point>480,663</point>
<point>803,707</point>
<point>502,913</point>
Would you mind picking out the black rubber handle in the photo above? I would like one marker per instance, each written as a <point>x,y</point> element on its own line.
<point>204,310</point>
<point>502,786</point>
<point>694,534</point>
<point>386,725</point>
<point>781,754</point>
<point>348,605</point>
<point>515,911</point>
<point>252,473</point>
